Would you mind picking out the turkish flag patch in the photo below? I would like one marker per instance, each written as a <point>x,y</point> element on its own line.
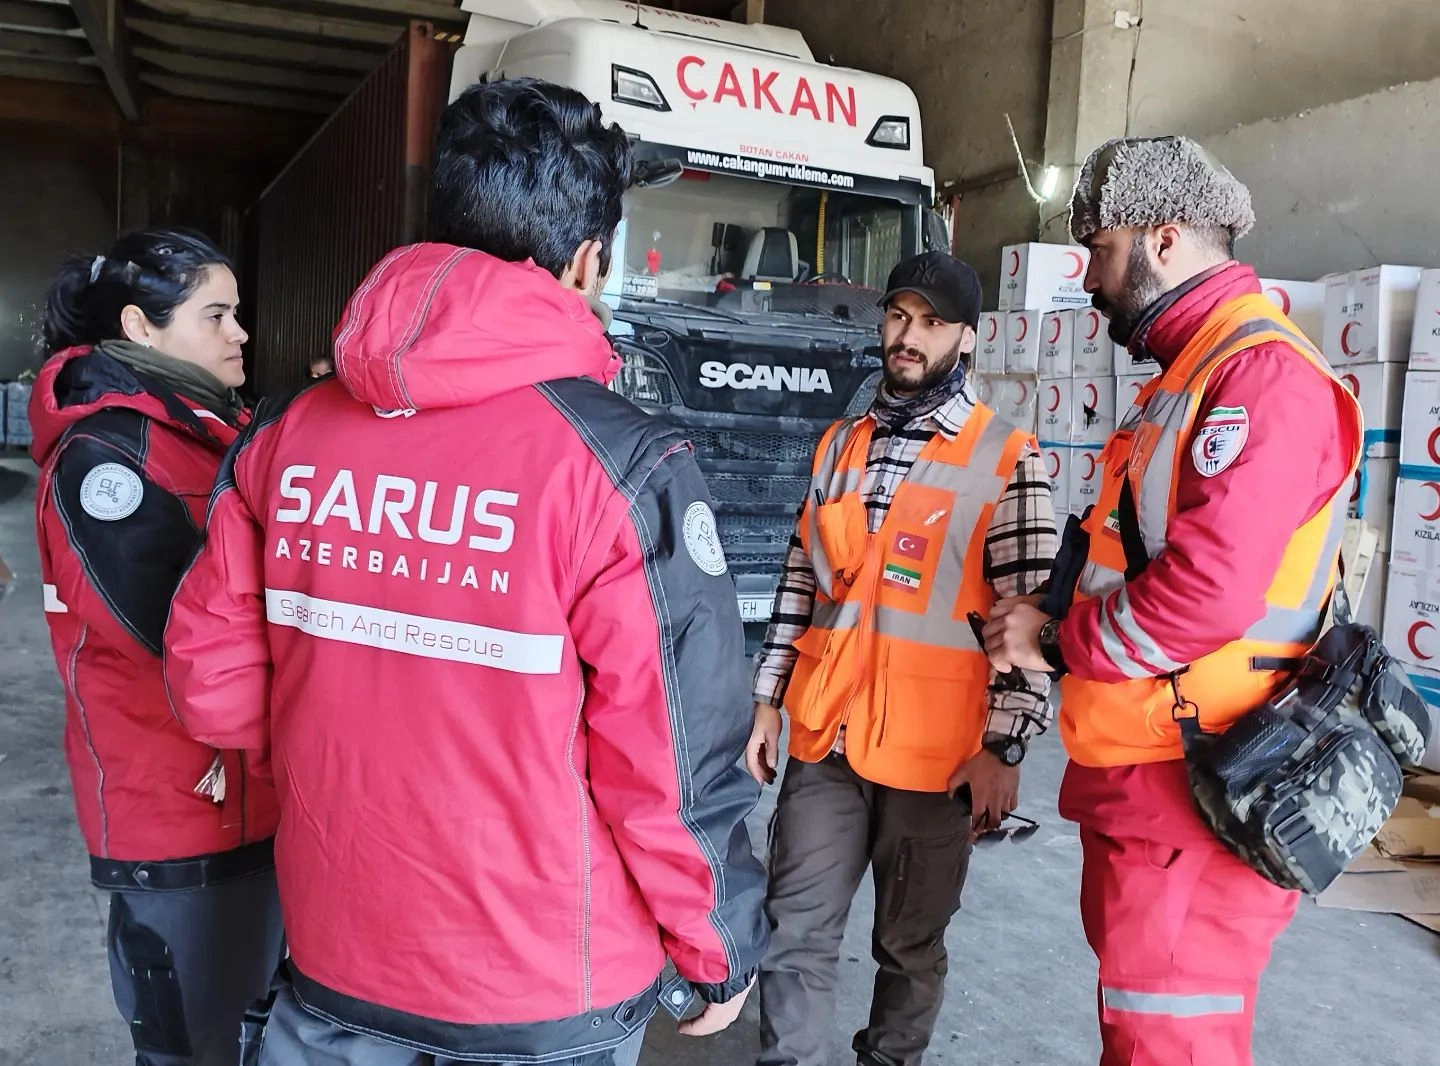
<point>910,546</point>
<point>1220,439</point>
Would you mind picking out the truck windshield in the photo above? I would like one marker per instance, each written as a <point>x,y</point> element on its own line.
<point>709,235</point>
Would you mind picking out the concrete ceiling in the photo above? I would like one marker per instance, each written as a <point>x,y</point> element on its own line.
<point>296,55</point>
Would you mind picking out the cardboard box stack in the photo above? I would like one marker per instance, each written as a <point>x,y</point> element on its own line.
<point>17,414</point>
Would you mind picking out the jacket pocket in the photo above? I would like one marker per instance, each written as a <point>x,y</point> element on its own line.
<point>931,700</point>
<point>811,690</point>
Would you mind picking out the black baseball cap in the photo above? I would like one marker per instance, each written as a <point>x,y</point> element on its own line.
<point>946,283</point>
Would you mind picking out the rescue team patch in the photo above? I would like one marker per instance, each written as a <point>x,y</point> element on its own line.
<point>910,546</point>
<point>111,492</point>
<point>1220,439</point>
<point>702,539</point>
<point>902,576</point>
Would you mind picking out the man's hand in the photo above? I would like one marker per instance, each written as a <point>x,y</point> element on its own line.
<point>762,753</point>
<point>716,1017</point>
<point>1012,636</point>
<point>994,790</point>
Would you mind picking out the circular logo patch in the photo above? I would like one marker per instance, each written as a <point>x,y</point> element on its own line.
<point>702,538</point>
<point>111,492</point>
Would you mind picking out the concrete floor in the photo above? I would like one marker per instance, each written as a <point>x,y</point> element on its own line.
<point>1344,987</point>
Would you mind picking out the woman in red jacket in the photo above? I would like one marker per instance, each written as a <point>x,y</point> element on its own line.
<point>132,413</point>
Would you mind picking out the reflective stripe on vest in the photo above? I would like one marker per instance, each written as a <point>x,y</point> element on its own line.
<point>1130,722</point>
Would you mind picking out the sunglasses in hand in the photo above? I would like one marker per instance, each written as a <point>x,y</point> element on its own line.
<point>1024,830</point>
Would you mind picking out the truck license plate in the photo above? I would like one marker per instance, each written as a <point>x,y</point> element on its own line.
<point>756,608</point>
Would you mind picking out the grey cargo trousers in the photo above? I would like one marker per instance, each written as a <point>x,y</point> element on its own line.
<point>830,824</point>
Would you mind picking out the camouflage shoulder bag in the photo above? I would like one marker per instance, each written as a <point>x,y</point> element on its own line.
<point>1298,787</point>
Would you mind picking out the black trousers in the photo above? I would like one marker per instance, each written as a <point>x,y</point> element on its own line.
<point>185,965</point>
<point>830,825</point>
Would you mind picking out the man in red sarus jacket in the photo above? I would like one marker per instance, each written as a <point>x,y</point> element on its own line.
<point>473,604</point>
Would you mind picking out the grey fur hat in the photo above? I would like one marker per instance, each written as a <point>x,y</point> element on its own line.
<point>1151,181</point>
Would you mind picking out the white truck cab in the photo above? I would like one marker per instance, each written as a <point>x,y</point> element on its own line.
<point>773,196</point>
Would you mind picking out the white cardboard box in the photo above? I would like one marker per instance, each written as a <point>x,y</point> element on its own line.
<point>1047,277</point>
<point>1057,344</point>
<point>1015,399</point>
<point>990,343</point>
<point>1415,532</point>
<point>1380,388</point>
<point>1056,408</point>
<point>1022,342</point>
<point>1369,315</point>
<point>1427,683</point>
<point>1127,391</point>
<point>1302,301</point>
<point>1425,334</point>
<point>1370,610</point>
<point>1125,363</point>
<point>1420,420</point>
<point>1084,477</point>
<point>1372,495</point>
<point>1412,616</point>
<point>1056,458</point>
<point>1092,418</point>
<point>1094,350</point>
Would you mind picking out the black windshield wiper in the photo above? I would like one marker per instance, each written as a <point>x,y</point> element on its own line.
<point>699,309</point>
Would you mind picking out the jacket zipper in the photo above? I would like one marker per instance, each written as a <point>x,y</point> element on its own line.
<point>89,741</point>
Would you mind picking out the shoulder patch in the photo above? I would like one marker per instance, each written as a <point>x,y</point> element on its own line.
<point>702,539</point>
<point>1220,439</point>
<point>111,492</point>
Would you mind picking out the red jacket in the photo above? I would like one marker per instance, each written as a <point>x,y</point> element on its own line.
<point>125,469</point>
<point>1203,592</point>
<point>473,603</point>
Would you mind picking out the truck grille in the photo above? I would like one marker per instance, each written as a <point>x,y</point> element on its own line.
<point>720,444</point>
<point>776,490</point>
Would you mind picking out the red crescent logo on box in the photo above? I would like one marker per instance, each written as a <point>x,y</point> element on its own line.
<point>1094,325</point>
<point>1091,472</point>
<point>1433,445</point>
<point>1024,391</point>
<point>1284,298</point>
<point>994,330</point>
<point>1345,339</point>
<point>1055,392</point>
<point>1435,488</point>
<point>1094,395</point>
<point>1054,463</point>
<point>1014,262</point>
<point>1079,264</point>
<point>1413,639</point>
<point>1355,492</point>
<point>1352,383</point>
<point>1024,328</point>
<point>1055,339</point>
<point>1135,387</point>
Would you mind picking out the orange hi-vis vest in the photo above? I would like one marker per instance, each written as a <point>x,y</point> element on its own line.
<point>890,653</point>
<point>1131,722</point>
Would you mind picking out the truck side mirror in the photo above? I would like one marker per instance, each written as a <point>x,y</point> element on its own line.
<point>656,173</point>
<point>937,234</point>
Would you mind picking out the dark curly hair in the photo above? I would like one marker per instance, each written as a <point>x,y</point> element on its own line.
<point>526,169</point>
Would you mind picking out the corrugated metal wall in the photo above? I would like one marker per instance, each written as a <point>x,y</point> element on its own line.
<point>353,193</point>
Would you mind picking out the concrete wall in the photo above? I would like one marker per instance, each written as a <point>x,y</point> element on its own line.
<point>1202,66</point>
<point>1343,186</point>
<point>969,62</point>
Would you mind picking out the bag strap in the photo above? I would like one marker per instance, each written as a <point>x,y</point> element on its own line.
<point>1131,539</point>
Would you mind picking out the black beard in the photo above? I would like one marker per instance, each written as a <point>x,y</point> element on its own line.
<point>932,377</point>
<point>1141,287</point>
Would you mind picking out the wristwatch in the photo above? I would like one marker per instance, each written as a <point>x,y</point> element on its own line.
<point>1009,750</point>
<point>1050,646</point>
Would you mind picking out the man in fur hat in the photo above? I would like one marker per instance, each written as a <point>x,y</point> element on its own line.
<point>1207,563</point>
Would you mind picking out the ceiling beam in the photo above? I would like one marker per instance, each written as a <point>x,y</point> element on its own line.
<point>105,30</point>
<point>251,16</point>
<point>44,46</point>
<point>433,10</point>
<point>337,85</point>
<point>39,70</point>
<point>209,90</point>
<point>192,39</point>
<point>37,18</point>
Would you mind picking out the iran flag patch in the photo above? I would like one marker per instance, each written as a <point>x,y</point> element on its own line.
<point>1220,439</point>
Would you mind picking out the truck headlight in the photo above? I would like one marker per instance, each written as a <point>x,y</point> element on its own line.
<point>892,131</point>
<point>643,379</point>
<point>628,86</point>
